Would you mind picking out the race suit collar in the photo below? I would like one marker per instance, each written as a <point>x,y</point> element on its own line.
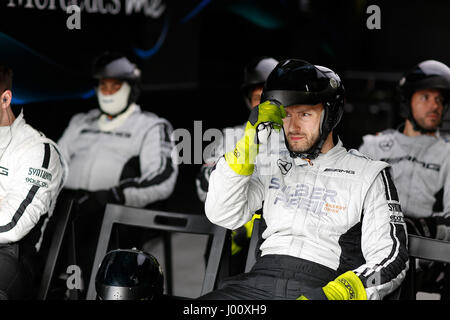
<point>18,122</point>
<point>323,158</point>
<point>7,132</point>
<point>416,139</point>
<point>401,127</point>
<point>106,124</point>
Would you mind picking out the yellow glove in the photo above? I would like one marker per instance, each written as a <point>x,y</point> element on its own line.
<point>345,287</point>
<point>249,225</point>
<point>242,158</point>
<point>241,235</point>
<point>236,243</point>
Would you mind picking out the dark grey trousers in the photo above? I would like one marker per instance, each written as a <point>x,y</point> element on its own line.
<point>274,277</point>
<point>16,277</point>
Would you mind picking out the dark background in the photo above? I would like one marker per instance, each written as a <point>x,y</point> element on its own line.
<point>196,72</point>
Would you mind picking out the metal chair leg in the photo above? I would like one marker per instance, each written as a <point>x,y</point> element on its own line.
<point>168,261</point>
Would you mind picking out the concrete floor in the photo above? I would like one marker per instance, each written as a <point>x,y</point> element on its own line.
<point>428,296</point>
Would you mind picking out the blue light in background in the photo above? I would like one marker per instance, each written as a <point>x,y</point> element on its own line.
<point>195,11</point>
<point>146,54</point>
<point>257,16</point>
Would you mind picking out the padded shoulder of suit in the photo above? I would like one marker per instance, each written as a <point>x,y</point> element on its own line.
<point>31,139</point>
<point>444,145</point>
<point>370,139</point>
<point>84,117</point>
<point>354,154</point>
<point>30,135</point>
<point>386,132</point>
<point>368,167</point>
<point>445,137</point>
<point>152,119</point>
<point>379,135</point>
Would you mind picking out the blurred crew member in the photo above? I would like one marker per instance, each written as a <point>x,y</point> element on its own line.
<point>419,157</point>
<point>117,153</point>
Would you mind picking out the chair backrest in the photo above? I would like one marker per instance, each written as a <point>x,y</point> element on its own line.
<point>64,209</point>
<point>427,249</point>
<point>253,246</point>
<point>160,220</point>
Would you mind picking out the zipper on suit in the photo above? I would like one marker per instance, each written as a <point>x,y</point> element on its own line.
<point>309,162</point>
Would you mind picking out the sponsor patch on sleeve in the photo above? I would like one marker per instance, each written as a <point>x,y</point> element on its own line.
<point>36,182</point>
<point>40,173</point>
<point>38,177</point>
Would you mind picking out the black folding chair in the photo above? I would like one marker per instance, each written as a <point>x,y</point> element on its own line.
<point>59,227</point>
<point>218,260</point>
<point>253,247</point>
<point>427,249</point>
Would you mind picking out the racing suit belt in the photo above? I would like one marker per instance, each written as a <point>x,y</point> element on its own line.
<point>288,267</point>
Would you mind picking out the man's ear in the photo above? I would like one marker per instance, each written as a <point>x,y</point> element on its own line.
<point>5,99</point>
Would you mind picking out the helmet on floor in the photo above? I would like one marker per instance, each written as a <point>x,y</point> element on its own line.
<point>129,274</point>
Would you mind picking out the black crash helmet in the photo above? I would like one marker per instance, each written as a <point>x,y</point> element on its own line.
<point>129,274</point>
<point>429,74</point>
<point>296,81</point>
<point>255,74</point>
<point>115,65</point>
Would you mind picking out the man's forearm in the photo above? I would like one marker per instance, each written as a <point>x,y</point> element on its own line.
<point>231,197</point>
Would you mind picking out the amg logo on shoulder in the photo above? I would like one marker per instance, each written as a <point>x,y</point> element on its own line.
<point>339,170</point>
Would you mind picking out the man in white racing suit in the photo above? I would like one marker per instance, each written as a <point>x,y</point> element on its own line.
<point>117,153</point>
<point>32,174</point>
<point>419,157</point>
<point>335,229</point>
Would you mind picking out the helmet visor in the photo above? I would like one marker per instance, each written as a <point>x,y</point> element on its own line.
<point>127,269</point>
<point>300,82</point>
<point>120,68</point>
<point>301,76</point>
